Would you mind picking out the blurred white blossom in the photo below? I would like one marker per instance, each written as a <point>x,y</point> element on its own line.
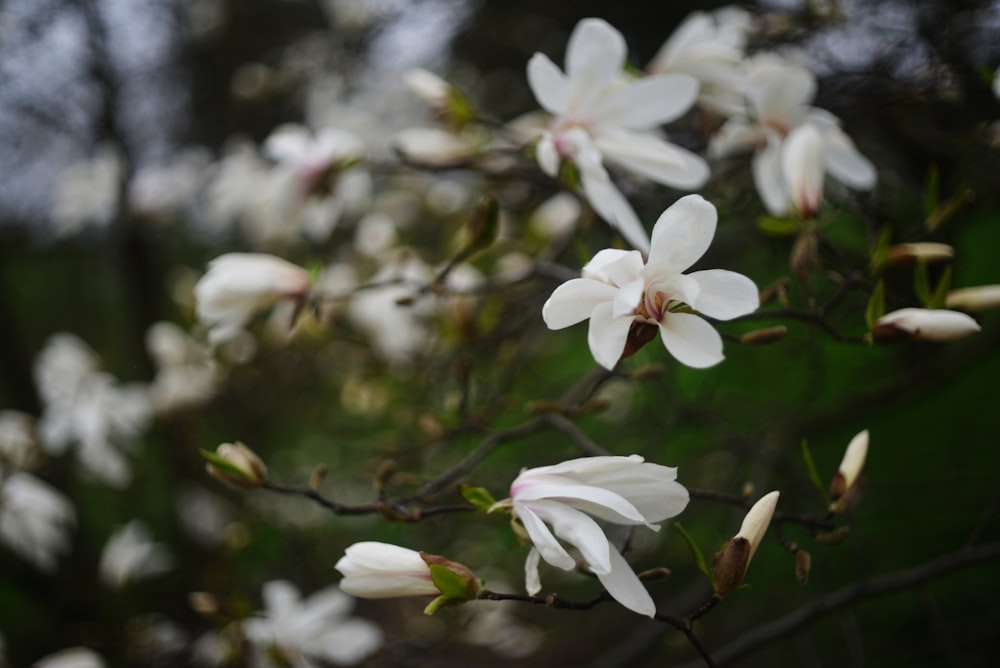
<point>131,554</point>
<point>186,374</point>
<point>87,193</point>
<point>35,519</point>
<point>71,657</point>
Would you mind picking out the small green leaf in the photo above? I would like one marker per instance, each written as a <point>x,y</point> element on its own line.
<point>813,472</point>
<point>449,583</point>
<point>699,558</point>
<point>484,224</point>
<point>932,190</point>
<point>880,252</point>
<point>480,497</point>
<point>774,226</point>
<point>876,305</point>
<point>922,283</point>
<point>436,604</point>
<point>941,290</point>
<point>222,464</point>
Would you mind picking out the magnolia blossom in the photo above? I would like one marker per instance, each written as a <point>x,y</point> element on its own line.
<point>731,564</point>
<point>186,373</point>
<point>618,292</point>
<point>778,95</point>
<point>130,554</point>
<point>381,570</point>
<point>620,490</point>
<point>600,117</point>
<point>709,46</point>
<point>71,657</point>
<point>924,325</point>
<point>306,633</point>
<point>239,285</point>
<point>312,157</point>
<point>35,519</point>
<point>849,470</point>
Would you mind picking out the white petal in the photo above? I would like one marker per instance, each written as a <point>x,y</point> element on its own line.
<point>532,583</point>
<point>625,587</point>
<point>724,295</point>
<point>613,265</point>
<point>543,540</point>
<point>931,325</point>
<point>803,168</point>
<point>768,179</point>
<point>607,335</point>
<point>375,557</point>
<point>692,340</point>
<point>647,103</point>
<point>280,596</point>
<point>735,136</point>
<point>681,236</point>
<point>628,298</point>
<point>652,157</point>
<point>612,206</point>
<point>388,585</point>
<point>574,301</point>
<point>595,57</point>
<point>548,83</point>
<point>547,155</point>
<point>781,89</point>
<point>579,530</point>
<point>558,488</point>
<point>845,162</point>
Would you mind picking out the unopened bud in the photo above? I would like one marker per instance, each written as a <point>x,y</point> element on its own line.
<point>902,254</point>
<point>803,564</point>
<point>237,465</point>
<point>204,603</point>
<point>764,336</point>
<point>922,324</point>
<point>974,299</point>
<point>730,565</point>
<point>805,255</point>
<point>836,537</point>
<point>846,477</point>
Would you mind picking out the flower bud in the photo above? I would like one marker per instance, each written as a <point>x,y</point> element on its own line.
<point>730,565</point>
<point>927,251</point>
<point>978,298</point>
<point>922,324</point>
<point>237,465</point>
<point>764,336</point>
<point>849,471</point>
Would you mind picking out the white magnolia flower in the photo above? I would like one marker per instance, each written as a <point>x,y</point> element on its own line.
<point>186,372</point>
<point>239,285</point>
<point>130,555</point>
<point>381,570</point>
<point>618,291</point>
<point>778,95</point>
<point>925,325</point>
<point>620,490</point>
<point>71,657</point>
<point>307,633</point>
<point>600,117</point>
<point>709,47</point>
<point>35,519</point>
<point>89,409</point>
<point>312,157</point>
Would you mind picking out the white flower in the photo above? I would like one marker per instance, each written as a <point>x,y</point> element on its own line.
<point>618,291</point>
<point>709,46</point>
<point>87,193</point>
<point>778,94</point>
<point>977,298</point>
<point>312,157</point>
<point>306,633</point>
<point>35,519</point>
<point>186,373</point>
<point>599,116</point>
<point>71,657</point>
<point>620,490</point>
<point>381,570</point>
<point>89,409</point>
<point>802,169</point>
<point>239,285</point>
<point>925,325</point>
<point>130,554</point>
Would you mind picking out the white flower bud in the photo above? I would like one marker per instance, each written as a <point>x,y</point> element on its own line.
<point>381,570</point>
<point>927,251</point>
<point>924,325</point>
<point>849,471</point>
<point>249,471</point>
<point>978,298</point>
<point>730,565</point>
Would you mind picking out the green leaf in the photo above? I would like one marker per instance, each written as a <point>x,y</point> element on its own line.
<point>876,305</point>
<point>222,464</point>
<point>922,283</point>
<point>813,472</point>
<point>932,190</point>
<point>941,290</point>
<point>449,583</point>
<point>436,604</point>
<point>774,226</point>
<point>880,252</point>
<point>484,224</point>
<point>699,558</point>
<point>480,497</point>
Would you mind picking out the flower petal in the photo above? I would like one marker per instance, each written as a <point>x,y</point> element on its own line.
<point>680,237</point>
<point>595,56</point>
<point>846,164</point>
<point>767,177</point>
<point>723,294</point>
<point>615,505</point>
<point>579,530</point>
<point>607,335</point>
<point>647,103</point>
<point>612,206</point>
<point>548,83</point>
<point>543,540</point>
<point>615,266</point>
<point>803,168</point>
<point>624,586</point>
<point>692,340</point>
<point>652,157</point>
<point>532,582</point>
<point>574,301</point>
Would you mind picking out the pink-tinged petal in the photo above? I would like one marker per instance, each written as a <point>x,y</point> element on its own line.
<point>652,157</point>
<point>607,335</point>
<point>595,57</point>
<point>612,206</point>
<point>803,168</point>
<point>615,506</point>
<point>574,301</point>
<point>846,164</point>
<point>646,103</point>
<point>681,236</point>
<point>724,295</point>
<point>548,83</point>
<point>584,468</point>
<point>547,155</point>
<point>579,530</point>
<point>767,177</point>
<point>543,540</point>
<point>691,340</point>
<point>532,582</point>
<point>625,587</point>
<point>613,265</point>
